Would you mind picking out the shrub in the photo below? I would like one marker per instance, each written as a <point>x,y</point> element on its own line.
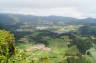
<point>7,41</point>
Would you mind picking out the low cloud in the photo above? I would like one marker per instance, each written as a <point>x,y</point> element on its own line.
<point>69,8</point>
<point>68,12</point>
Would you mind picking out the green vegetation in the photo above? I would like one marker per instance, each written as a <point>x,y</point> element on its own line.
<point>51,39</point>
<point>51,48</point>
<point>6,45</point>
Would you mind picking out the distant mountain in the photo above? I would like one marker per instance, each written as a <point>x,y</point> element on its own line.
<point>15,21</point>
<point>11,19</point>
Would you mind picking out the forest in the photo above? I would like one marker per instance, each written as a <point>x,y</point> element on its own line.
<point>51,39</point>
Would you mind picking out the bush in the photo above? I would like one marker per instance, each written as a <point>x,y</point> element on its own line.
<point>7,41</point>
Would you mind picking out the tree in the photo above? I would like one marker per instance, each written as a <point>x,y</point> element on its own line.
<point>7,41</point>
<point>88,30</point>
<point>83,43</point>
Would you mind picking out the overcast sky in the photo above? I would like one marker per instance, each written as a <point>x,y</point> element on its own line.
<point>68,8</point>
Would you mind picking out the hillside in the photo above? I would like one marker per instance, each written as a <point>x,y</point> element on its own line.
<point>10,19</point>
<point>47,39</point>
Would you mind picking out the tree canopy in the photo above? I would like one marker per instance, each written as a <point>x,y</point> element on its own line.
<point>7,41</point>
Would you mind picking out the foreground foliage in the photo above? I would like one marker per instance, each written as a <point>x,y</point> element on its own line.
<point>6,45</point>
<point>64,48</point>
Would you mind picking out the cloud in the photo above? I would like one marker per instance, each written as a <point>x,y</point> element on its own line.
<point>71,8</point>
<point>69,12</point>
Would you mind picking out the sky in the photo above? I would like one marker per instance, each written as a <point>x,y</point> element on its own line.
<point>67,8</point>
